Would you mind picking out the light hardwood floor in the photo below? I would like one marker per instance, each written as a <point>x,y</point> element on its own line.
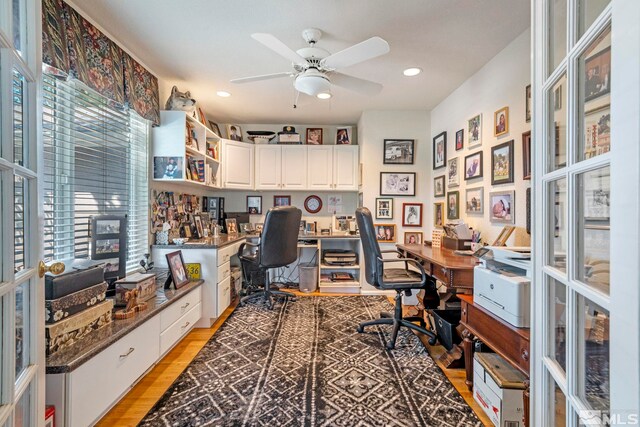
<point>141,398</point>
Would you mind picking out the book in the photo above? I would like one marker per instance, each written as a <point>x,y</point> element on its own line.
<point>335,277</point>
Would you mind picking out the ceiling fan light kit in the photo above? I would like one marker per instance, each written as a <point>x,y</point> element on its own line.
<point>314,68</point>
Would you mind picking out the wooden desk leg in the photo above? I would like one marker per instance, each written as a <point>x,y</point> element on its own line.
<point>467,347</point>
<point>525,404</point>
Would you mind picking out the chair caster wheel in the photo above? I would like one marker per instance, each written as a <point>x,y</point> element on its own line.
<point>390,346</point>
<point>432,341</point>
<point>360,329</point>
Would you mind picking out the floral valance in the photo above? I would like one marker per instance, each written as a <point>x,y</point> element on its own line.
<point>73,45</point>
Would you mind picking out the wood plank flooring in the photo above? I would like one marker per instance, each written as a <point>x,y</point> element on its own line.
<point>141,398</point>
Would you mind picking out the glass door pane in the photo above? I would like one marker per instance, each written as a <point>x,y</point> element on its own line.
<point>18,118</point>
<point>557,125</point>
<point>557,33</point>
<point>558,226</point>
<point>559,404</point>
<point>20,218</point>
<point>594,194</point>
<point>593,351</point>
<point>588,11</point>
<point>22,294</point>
<point>558,321</point>
<point>594,104</point>
<point>22,416</point>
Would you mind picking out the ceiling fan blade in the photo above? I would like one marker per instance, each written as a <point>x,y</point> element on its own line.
<point>356,84</point>
<point>280,48</point>
<point>262,77</point>
<point>363,51</point>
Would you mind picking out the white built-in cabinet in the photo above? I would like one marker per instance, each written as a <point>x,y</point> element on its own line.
<point>238,164</point>
<point>294,167</point>
<point>281,167</point>
<point>345,167</point>
<point>320,167</point>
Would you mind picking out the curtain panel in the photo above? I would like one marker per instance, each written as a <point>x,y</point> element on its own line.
<point>73,45</point>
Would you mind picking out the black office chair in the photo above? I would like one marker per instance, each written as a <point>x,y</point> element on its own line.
<point>401,280</point>
<point>278,247</point>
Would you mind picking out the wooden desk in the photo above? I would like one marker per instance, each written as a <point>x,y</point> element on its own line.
<point>455,271</point>
<point>505,339</point>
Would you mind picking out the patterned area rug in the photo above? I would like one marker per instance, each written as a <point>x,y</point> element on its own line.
<point>304,364</point>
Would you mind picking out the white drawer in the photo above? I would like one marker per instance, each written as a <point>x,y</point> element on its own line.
<point>224,295</point>
<point>225,254</point>
<point>224,271</point>
<point>176,331</point>
<point>179,308</point>
<point>98,383</point>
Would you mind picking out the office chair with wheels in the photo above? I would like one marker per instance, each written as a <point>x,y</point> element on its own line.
<point>401,280</point>
<point>278,247</point>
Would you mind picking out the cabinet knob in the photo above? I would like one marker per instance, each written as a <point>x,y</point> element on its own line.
<point>131,349</point>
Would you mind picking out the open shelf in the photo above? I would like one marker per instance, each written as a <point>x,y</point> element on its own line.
<point>340,283</point>
<point>340,267</point>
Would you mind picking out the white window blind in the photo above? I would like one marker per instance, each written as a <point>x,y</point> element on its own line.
<point>95,163</point>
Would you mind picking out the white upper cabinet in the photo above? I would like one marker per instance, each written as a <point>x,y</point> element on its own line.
<point>268,167</point>
<point>320,167</point>
<point>294,167</point>
<point>345,167</point>
<point>238,164</point>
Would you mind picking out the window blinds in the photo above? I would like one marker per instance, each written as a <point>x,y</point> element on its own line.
<point>95,163</point>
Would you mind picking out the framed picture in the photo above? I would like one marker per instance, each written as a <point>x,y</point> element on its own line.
<point>453,173</point>
<point>213,208</point>
<point>474,130</point>
<point>527,104</point>
<point>186,228</point>
<point>526,155</point>
<point>177,269</point>
<point>385,233</point>
<point>459,140</point>
<point>597,80</point>
<point>343,135</point>
<point>254,204</point>
<point>167,167</point>
<point>109,243</point>
<point>473,166</point>
<point>438,214</point>
<point>440,150</point>
<point>232,226</point>
<point>504,235</point>
<point>453,205</point>
<point>502,207</point>
<point>398,151</point>
<point>314,136</point>
<point>281,201</point>
<point>597,138</point>
<point>438,186</point>
<point>397,183</point>
<point>413,237</point>
<point>234,132</point>
<point>197,219</point>
<point>412,214</point>
<point>502,163</point>
<point>597,195</point>
<point>215,128</point>
<point>384,208</point>
<point>501,121</point>
<point>475,200</point>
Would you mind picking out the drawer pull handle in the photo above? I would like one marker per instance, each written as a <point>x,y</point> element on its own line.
<point>185,306</point>
<point>186,324</point>
<point>122,356</point>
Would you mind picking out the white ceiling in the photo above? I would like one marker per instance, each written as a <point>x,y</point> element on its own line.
<point>201,44</point>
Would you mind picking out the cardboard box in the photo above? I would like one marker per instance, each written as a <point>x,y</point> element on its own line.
<point>503,405</point>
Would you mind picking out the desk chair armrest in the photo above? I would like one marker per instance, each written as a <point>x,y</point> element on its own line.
<point>397,252</point>
<point>407,261</point>
<point>242,247</point>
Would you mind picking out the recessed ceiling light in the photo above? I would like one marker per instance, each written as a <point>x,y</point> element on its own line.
<point>324,95</point>
<point>410,72</point>
<point>223,93</point>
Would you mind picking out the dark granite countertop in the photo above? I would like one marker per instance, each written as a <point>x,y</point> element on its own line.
<point>328,236</point>
<point>71,358</point>
<point>208,243</point>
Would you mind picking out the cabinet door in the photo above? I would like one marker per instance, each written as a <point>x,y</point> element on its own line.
<point>294,167</point>
<point>320,167</point>
<point>345,167</point>
<point>237,164</point>
<point>268,167</point>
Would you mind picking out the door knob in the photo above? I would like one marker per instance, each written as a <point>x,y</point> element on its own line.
<point>55,268</point>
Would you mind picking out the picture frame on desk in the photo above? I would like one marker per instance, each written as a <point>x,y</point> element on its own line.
<point>177,269</point>
<point>197,219</point>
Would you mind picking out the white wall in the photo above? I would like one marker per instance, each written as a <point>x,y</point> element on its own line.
<point>373,128</point>
<point>501,82</point>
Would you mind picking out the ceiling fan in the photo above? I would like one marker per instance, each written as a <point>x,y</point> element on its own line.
<point>314,68</point>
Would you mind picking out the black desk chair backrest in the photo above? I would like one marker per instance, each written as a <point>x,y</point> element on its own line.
<point>279,239</point>
<point>370,246</point>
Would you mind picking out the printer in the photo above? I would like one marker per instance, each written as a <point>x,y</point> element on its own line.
<point>339,257</point>
<point>502,283</point>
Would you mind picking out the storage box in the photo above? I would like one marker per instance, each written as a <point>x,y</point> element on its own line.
<point>498,388</point>
<point>59,286</point>
<point>61,308</point>
<point>446,322</point>
<point>144,283</point>
<point>456,244</point>
<point>68,331</point>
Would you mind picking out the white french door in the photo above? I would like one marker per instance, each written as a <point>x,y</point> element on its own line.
<point>586,298</point>
<point>21,290</point>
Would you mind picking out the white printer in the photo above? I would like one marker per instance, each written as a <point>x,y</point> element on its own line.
<point>502,283</point>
